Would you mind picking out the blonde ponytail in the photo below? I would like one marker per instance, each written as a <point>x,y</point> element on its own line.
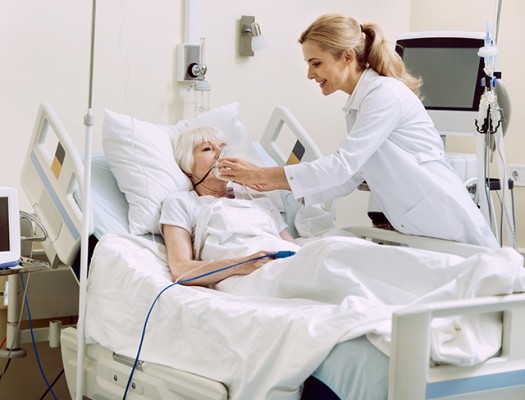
<point>385,61</point>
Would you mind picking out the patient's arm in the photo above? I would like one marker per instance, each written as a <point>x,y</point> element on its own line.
<point>183,267</point>
<point>285,235</point>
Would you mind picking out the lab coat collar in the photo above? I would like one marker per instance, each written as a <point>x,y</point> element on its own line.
<point>360,90</point>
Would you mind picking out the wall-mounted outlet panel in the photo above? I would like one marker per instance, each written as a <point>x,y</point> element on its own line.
<point>188,55</point>
<point>517,174</point>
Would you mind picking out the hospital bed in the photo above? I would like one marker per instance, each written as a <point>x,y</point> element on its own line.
<point>52,177</point>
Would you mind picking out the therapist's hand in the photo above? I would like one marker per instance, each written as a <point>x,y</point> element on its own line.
<point>248,174</point>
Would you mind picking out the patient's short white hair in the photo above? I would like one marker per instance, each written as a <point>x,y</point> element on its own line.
<point>184,144</point>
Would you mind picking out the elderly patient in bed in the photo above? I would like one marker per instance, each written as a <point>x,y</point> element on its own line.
<point>253,227</point>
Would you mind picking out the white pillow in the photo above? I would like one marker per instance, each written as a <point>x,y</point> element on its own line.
<point>226,118</point>
<point>140,156</point>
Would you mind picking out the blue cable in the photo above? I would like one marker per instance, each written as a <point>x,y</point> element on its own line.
<point>33,341</point>
<point>279,254</point>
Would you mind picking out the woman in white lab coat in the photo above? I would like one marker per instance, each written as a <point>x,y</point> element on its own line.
<point>391,141</point>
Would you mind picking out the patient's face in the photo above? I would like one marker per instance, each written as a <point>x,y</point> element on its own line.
<point>205,156</point>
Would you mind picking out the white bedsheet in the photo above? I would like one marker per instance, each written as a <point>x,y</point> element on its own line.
<point>260,346</point>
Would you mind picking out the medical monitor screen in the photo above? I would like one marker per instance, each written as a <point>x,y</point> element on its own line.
<point>450,68</point>
<point>4,224</point>
<point>9,228</point>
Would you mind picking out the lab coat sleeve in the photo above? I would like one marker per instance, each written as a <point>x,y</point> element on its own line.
<point>324,195</point>
<point>339,173</point>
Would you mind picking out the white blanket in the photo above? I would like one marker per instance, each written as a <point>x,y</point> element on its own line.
<point>266,339</point>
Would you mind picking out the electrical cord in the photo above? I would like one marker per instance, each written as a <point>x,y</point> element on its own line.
<point>191,271</point>
<point>33,341</point>
<point>487,173</point>
<point>510,219</point>
<point>279,254</point>
<point>127,75</point>
<point>52,384</point>
<point>7,363</point>
<point>31,218</point>
<point>6,367</point>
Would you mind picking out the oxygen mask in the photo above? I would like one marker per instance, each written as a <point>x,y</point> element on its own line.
<point>226,152</point>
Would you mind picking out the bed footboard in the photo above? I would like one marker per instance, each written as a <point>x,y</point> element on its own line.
<point>501,377</point>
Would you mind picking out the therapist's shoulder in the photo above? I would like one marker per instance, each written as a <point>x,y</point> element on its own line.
<point>384,91</point>
<point>388,84</point>
<point>390,90</point>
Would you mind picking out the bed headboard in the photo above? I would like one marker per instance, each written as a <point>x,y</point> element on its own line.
<point>50,178</point>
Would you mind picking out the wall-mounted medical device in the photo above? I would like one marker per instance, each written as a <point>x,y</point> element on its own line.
<point>191,65</point>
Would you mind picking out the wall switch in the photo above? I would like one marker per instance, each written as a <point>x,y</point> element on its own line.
<point>517,174</point>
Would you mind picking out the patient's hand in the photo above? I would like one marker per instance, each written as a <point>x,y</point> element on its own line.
<point>246,268</point>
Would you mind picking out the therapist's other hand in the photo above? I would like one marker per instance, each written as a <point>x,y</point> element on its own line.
<point>251,175</point>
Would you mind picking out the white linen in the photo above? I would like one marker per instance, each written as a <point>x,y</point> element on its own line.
<point>230,228</point>
<point>284,319</point>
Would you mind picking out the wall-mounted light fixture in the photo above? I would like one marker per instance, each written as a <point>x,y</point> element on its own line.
<point>250,37</point>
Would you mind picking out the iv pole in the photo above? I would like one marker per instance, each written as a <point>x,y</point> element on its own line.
<point>489,122</point>
<point>86,212</point>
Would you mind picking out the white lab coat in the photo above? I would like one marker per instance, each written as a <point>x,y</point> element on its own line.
<point>393,145</point>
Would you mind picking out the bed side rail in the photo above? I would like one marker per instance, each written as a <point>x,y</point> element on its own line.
<point>411,376</point>
<point>395,238</point>
<point>303,147</point>
<point>285,135</point>
<point>52,178</point>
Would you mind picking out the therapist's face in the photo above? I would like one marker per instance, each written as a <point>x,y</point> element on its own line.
<point>330,73</point>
